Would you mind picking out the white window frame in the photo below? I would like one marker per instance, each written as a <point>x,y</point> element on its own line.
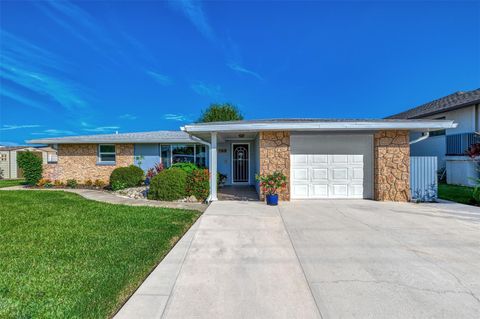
<point>99,154</point>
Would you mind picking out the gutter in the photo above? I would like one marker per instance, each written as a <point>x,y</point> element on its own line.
<point>421,138</point>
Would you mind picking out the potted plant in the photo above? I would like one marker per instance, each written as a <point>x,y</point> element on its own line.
<point>270,184</point>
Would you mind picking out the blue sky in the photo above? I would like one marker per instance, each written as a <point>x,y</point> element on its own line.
<point>98,67</point>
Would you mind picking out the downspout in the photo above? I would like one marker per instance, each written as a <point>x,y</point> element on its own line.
<point>209,159</point>
<point>421,138</point>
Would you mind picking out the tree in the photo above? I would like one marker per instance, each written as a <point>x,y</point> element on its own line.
<point>220,112</point>
<point>31,165</point>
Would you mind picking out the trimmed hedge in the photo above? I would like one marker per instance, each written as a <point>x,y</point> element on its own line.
<point>31,166</point>
<point>198,184</point>
<point>124,177</point>
<point>185,166</point>
<point>168,185</point>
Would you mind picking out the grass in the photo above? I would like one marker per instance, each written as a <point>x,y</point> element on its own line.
<point>62,256</point>
<point>11,182</point>
<point>455,193</point>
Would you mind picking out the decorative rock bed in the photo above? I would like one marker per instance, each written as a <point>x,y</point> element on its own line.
<point>141,193</point>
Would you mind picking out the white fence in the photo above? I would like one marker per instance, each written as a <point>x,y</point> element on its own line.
<point>423,178</point>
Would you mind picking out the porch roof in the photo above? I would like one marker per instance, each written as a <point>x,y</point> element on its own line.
<point>320,125</point>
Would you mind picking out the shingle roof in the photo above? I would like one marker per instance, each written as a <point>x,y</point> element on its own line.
<point>12,148</point>
<point>139,137</point>
<point>450,102</point>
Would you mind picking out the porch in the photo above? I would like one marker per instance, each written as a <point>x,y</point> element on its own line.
<point>235,192</point>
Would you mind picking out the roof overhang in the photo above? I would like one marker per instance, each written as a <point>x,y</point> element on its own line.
<point>411,125</point>
<point>66,140</point>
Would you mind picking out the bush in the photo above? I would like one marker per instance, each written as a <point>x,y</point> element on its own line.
<point>88,183</point>
<point>43,181</point>
<point>99,183</point>
<point>198,184</point>
<point>31,166</point>
<point>187,167</point>
<point>125,177</point>
<point>168,185</point>
<point>72,183</point>
<point>58,183</point>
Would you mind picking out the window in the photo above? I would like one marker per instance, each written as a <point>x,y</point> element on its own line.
<point>106,153</point>
<point>438,133</point>
<point>166,155</point>
<point>183,153</point>
<point>3,157</point>
<point>201,155</point>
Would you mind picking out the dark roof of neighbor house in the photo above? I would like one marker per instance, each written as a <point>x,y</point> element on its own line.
<point>138,137</point>
<point>12,148</point>
<point>447,103</point>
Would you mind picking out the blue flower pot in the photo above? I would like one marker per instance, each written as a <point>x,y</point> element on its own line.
<point>272,200</point>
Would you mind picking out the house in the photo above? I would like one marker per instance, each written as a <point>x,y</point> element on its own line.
<point>8,159</point>
<point>449,145</point>
<point>322,158</point>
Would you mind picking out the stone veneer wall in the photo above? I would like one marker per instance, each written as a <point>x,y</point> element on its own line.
<point>392,166</point>
<point>79,161</point>
<point>275,156</point>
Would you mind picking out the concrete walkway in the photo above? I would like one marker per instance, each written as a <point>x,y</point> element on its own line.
<point>106,197</point>
<point>237,262</point>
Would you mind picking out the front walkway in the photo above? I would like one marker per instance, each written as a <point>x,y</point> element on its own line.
<point>238,262</point>
<point>242,193</point>
<point>106,197</point>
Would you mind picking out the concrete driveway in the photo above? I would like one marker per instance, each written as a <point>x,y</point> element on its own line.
<point>369,259</point>
<point>319,259</point>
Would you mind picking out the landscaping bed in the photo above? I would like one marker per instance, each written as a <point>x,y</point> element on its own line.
<point>62,256</point>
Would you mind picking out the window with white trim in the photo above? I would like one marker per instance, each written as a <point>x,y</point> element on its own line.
<point>106,153</point>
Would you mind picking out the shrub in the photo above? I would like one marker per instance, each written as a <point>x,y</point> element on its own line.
<point>154,170</point>
<point>58,183</point>
<point>48,184</point>
<point>270,184</point>
<point>88,183</point>
<point>198,184</point>
<point>99,183</point>
<point>168,185</point>
<point>125,177</point>
<point>185,166</point>
<point>43,181</point>
<point>31,166</point>
<point>72,183</point>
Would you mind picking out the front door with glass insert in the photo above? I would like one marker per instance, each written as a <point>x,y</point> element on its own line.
<point>240,162</point>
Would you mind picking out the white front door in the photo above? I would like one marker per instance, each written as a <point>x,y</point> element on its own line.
<point>331,166</point>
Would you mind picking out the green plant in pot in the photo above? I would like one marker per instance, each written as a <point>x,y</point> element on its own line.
<point>270,184</point>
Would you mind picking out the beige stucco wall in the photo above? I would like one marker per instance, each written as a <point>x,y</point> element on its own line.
<point>79,162</point>
<point>275,156</point>
<point>392,166</point>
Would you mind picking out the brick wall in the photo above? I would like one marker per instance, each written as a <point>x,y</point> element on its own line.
<point>392,166</point>
<point>79,161</point>
<point>275,156</point>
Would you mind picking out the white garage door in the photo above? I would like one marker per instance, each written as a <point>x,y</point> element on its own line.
<point>331,166</point>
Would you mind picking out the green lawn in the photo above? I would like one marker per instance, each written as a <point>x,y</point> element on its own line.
<point>455,193</point>
<point>10,182</point>
<point>62,256</point>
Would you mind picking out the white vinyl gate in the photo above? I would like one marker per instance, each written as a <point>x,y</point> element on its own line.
<point>423,178</point>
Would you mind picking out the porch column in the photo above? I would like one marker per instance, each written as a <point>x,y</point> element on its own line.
<point>213,167</point>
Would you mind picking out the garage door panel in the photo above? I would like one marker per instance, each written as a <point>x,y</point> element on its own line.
<point>318,159</point>
<point>319,191</point>
<point>300,174</point>
<point>339,173</point>
<point>356,159</point>
<point>338,159</point>
<point>338,190</point>
<point>299,160</point>
<point>356,191</point>
<point>300,190</point>
<point>319,174</point>
<point>357,173</point>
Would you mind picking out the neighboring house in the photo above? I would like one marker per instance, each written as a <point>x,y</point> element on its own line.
<point>450,145</point>
<point>8,159</point>
<point>334,158</point>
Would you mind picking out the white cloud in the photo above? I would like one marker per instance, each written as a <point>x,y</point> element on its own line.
<point>52,132</point>
<point>213,91</point>
<point>176,117</point>
<point>238,68</point>
<point>127,116</point>
<point>193,10</point>
<point>16,127</point>
<point>102,129</point>
<point>160,78</point>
